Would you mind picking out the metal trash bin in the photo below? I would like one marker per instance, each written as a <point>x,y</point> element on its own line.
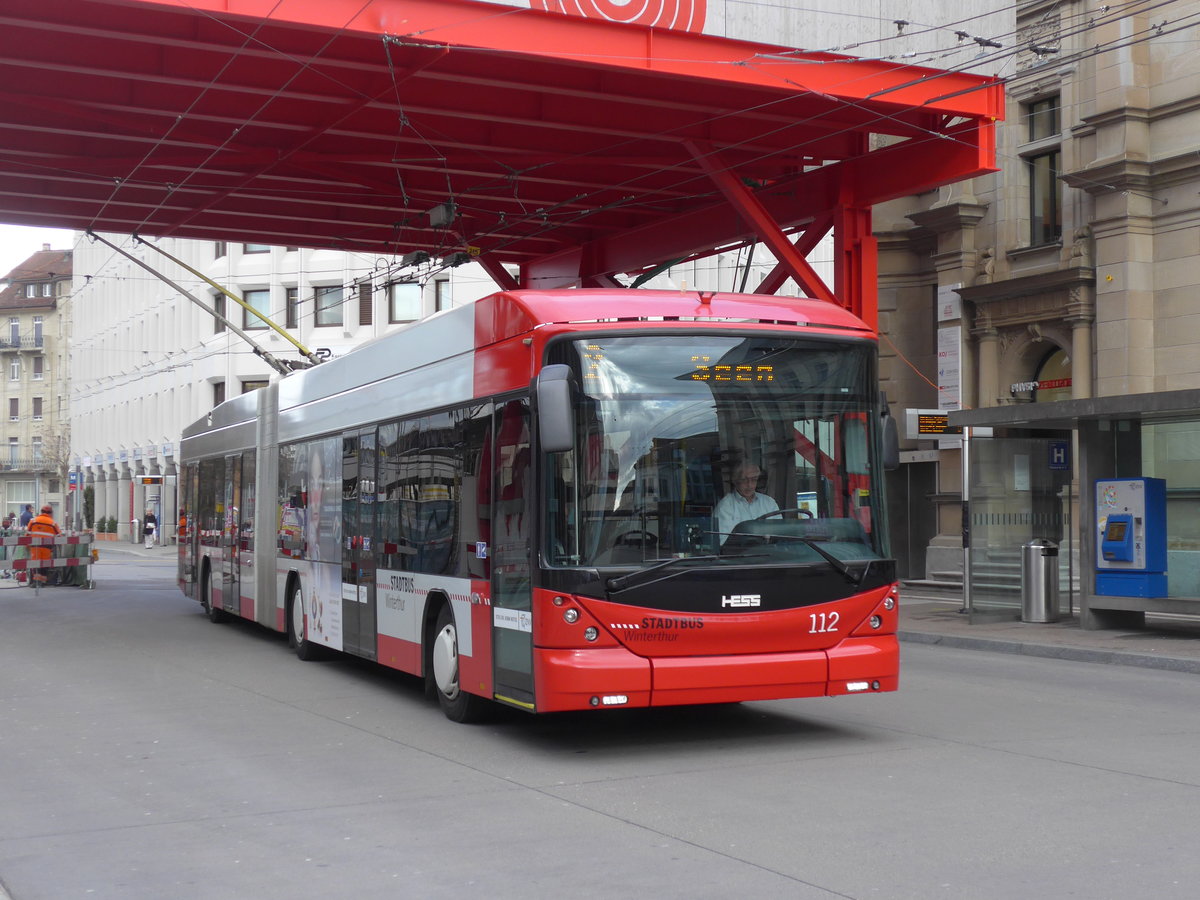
<point>1039,581</point>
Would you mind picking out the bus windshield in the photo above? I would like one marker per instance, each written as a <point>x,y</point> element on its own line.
<point>722,446</point>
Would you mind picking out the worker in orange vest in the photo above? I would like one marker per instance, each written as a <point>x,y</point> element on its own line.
<point>43,525</point>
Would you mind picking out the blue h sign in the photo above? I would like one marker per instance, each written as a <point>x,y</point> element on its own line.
<point>1060,455</point>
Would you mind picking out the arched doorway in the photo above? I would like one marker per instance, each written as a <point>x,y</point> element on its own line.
<point>1053,377</point>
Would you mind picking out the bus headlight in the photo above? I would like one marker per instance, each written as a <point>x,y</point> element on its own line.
<point>571,616</point>
<point>590,633</point>
<point>876,621</point>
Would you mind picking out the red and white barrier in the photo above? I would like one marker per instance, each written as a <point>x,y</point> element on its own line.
<point>20,565</point>
<point>33,540</point>
<point>80,542</point>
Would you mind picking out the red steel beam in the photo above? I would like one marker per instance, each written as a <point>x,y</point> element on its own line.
<point>804,245</point>
<point>755,215</point>
<point>883,174</point>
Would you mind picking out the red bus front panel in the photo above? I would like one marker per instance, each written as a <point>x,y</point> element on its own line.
<point>589,679</point>
<point>869,660</point>
<point>723,679</point>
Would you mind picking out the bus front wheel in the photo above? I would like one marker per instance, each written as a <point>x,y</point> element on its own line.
<point>305,649</point>
<point>457,704</point>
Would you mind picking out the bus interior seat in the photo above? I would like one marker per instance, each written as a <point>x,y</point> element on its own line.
<point>633,546</point>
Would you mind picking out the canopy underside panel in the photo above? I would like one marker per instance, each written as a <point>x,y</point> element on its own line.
<point>560,147</point>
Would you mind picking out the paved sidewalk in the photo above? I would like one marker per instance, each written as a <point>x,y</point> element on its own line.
<point>1167,642</point>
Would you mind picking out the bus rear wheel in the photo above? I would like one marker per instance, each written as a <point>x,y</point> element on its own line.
<point>305,649</point>
<point>457,704</point>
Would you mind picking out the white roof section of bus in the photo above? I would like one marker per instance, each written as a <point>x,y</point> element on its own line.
<point>427,365</point>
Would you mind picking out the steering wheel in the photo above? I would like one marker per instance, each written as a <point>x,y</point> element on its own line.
<point>636,538</point>
<point>806,513</point>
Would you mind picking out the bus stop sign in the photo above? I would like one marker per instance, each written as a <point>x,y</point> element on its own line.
<point>1060,456</point>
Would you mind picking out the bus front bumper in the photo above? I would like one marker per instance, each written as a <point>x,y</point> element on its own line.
<point>614,677</point>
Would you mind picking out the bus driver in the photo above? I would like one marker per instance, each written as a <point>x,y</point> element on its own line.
<point>744,502</point>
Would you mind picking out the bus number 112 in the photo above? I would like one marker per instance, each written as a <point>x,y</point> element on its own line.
<point>823,622</point>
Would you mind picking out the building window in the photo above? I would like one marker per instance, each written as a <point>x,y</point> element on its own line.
<point>37,409</point>
<point>256,248</point>
<point>220,248</point>
<point>248,386</point>
<point>404,301</point>
<point>14,409</point>
<point>218,393</point>
<point>1045,206</point>
<point>37,448</point>
<point>291,314</point>
<point>329,305</point>
<point>219,309</point>
<point>14,450</point>
<point>38,321</point>
<point>1043,118</point>
<point>1042,153</point>
<point>259,300</point>
<point>441,294</point>
<point>30,291</point>
<point>14,370</point>
<point>39,368</point>
<point>14,331</point>
<point>48,289</point>
<point>19,492</point>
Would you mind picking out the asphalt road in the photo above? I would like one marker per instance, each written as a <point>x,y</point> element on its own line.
<point>147,753</point>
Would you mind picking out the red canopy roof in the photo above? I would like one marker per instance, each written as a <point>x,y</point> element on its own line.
<point>572,148</point>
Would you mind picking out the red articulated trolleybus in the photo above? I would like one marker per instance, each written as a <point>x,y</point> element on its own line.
<point>534,500</point>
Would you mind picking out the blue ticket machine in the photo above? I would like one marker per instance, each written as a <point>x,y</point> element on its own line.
<point>1131,548</point>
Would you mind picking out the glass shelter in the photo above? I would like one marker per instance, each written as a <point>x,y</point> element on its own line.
<point>1020,490</point>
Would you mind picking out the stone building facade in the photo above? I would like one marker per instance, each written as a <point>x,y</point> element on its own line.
<point>1072,272</point>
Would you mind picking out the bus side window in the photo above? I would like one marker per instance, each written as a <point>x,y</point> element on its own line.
<point>388,538</point>
<point>289,501</point>
<point>510,519</point>
<point>475,502</point>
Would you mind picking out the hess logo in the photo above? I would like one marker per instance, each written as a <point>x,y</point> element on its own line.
<point>741,601</point>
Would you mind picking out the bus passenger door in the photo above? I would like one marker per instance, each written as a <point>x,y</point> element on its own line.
<point>358,562</point>
<point>245,539</point>
<point>230,530</point>
<point>512,597</point>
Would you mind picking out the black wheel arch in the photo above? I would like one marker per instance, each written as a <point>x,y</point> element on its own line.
<point>434,601</point>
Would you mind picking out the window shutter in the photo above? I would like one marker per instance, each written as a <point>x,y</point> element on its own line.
<point>365,313</point>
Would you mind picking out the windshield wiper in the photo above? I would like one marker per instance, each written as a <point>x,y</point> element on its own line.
<point>623,581</point>
<point>839,565</point>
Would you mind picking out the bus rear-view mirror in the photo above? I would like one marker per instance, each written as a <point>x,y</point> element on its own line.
<point>556,409</point>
